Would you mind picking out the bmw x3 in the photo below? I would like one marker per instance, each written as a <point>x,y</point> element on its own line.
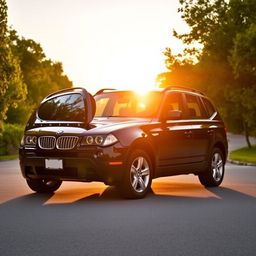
<point>123,139</point>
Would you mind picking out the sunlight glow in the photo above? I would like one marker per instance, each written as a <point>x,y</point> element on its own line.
<point>102,44</point>
<point>72,192</point>
<point>131,70</point>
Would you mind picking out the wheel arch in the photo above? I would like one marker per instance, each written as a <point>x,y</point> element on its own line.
<point>221,146</point>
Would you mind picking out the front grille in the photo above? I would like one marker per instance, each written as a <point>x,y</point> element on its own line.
<point>63,142</point>
<point>66,142</point>
<point>47,142</point>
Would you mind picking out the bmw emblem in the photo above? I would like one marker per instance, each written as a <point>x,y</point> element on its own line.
<point>59,132</point>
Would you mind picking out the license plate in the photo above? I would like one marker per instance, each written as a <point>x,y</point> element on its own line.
<point>53,164</point>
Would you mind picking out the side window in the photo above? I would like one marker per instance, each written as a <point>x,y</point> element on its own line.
<point>209,107</point>
<point>173,102</point>
<point>194,108</point>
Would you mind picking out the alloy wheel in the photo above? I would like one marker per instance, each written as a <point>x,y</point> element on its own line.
<point>140,174</point>
<point>217,167</point>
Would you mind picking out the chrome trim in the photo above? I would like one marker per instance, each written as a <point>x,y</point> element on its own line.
<point>47,142</point>
<point>66,142</point>
<point>213,115</point>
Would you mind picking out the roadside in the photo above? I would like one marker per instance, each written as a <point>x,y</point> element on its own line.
<point>247,155</point>
<point>8,157</point>
<point>237,141</point>
<point>239,152</point>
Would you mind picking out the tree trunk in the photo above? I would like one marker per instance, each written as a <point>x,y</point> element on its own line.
<point>246,133</point>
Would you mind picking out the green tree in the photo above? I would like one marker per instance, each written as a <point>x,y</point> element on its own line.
<point>12,87</point>
<point>243,61</point>
<point>224,67</point>
<point>41,75</point>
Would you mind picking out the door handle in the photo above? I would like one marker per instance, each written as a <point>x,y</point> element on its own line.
<point>210,132</point>
<point>188,133</point>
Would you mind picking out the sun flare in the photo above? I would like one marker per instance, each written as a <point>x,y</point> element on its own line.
<point>132,71</point>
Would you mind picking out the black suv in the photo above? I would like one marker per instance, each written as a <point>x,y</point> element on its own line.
<point>123,139</point>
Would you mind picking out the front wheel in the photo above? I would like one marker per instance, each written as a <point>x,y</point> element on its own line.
<point>214,174</point>
<point>44,185</point>
<point>138,175</point>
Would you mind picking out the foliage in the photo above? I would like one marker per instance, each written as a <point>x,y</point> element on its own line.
<point>9,157</point>
<point>226,66</point>
<point>244,154</point>
<point>25,73</point>
<point>12,87</point>
<point>41,75</point>
<point>26,76</point>
<point>10,138</point>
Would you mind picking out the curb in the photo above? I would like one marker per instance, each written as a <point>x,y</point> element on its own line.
<point>240,163</point>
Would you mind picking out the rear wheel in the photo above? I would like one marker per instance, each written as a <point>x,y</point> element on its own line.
<point>214,174</point>
<point>138,176</point>
<point>44,185</point>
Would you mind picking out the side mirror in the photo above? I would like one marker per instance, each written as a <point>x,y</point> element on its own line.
<point>172,115</point>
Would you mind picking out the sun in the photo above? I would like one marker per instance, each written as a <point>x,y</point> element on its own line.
<point>132,70</point>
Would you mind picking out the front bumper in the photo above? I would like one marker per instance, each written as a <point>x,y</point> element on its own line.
<point>87,164</point>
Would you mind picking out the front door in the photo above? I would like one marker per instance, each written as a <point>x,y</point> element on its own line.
<point>173,135</point>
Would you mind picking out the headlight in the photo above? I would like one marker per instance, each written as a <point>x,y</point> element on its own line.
<point>109,140</point>
<point>30,140</point>
<point>89,140</point>
<point>22,141</point>
<point>99,140</point>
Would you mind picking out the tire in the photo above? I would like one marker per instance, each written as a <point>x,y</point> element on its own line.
<point>137,177</point>
<point>44,185</point>
<point>214,174</point>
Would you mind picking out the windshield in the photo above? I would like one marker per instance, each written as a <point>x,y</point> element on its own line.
<point>127,104</point>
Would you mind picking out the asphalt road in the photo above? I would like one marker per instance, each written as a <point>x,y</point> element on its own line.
<point>179,217</point>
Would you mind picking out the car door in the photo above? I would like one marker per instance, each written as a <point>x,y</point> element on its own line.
<point>199,126</point>
<point>174,135</point>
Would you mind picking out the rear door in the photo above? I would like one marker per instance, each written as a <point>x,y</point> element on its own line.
<point>199,127</point>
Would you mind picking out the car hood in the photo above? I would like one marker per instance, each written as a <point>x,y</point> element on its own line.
<point>107,125</point>
<point>97,126</point>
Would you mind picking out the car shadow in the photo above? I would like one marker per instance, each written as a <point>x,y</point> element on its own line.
<point>166,192</point>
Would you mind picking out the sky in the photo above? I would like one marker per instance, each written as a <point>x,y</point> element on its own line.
<point>102,43</point>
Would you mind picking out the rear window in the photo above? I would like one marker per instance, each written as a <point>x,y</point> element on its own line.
<point>209,107</point>
<point>69,107</point>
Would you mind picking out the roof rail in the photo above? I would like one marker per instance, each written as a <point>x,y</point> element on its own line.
<point>65,90</point>
<point>173,87</point>
<point>103,90</point>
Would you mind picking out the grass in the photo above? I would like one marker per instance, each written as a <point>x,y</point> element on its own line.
<point>8,157</point>
<point>247,155</point>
